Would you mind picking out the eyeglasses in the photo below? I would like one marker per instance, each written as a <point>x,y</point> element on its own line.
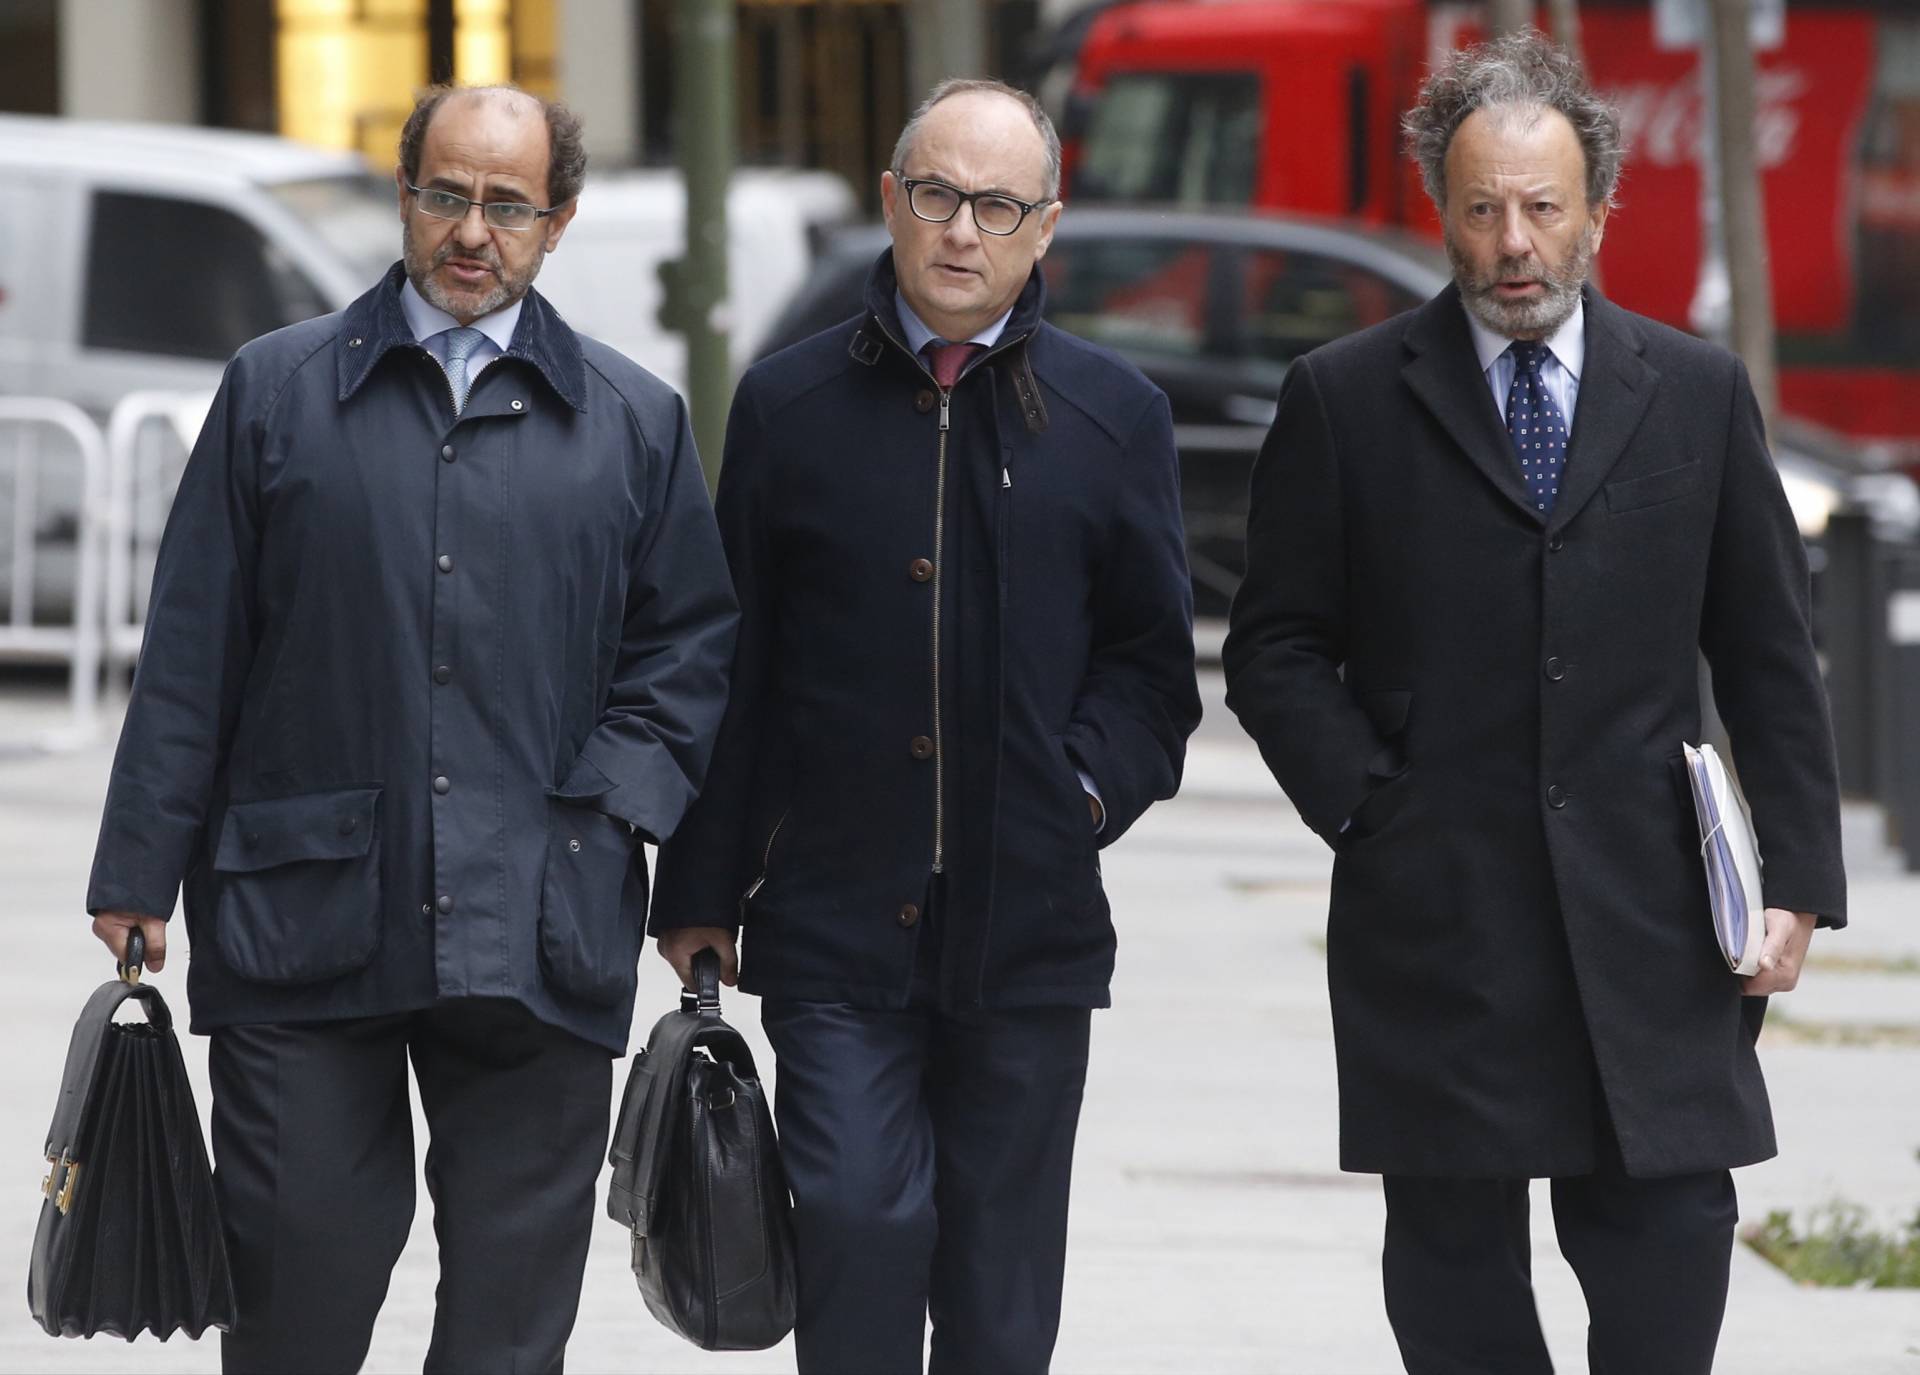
<point>936,203</point>
<point>447,205</point>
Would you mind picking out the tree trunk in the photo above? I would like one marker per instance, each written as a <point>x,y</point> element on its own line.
<point>1742,210</point>
<point>1504,16</point>
<point>1563,20</point>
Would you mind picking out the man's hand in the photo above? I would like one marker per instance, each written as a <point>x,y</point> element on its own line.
<point>1782,953</point>
<point>112,928</point>
<point>679,946</point>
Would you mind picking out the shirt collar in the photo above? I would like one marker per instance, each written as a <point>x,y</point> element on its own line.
<point>918,335</point>
<point>1568,344</point>
<point>426,319</point>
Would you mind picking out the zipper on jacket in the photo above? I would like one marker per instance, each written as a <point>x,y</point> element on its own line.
<point>939,567</point>
<point>766,858</point>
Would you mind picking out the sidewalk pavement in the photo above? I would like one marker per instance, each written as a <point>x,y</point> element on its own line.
<point>1211,1229</point>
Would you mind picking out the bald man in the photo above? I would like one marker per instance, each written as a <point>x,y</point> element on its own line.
<point>965,665</point>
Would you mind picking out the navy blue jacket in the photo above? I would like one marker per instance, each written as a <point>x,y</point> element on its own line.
<point>412,684</point>
<point>949,605</point>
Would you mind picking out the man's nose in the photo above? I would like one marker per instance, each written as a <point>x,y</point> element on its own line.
<point>962,230</point>
<point>1514,240</point>
<point>473,231</point>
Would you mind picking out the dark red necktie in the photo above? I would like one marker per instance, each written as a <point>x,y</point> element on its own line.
<point>948,361</point>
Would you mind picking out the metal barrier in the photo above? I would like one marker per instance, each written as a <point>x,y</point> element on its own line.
<point>149,436</point>
<point>31,419</point>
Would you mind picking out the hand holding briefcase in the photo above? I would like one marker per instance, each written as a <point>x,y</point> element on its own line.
<point>129,1238</point>
<point>697,1177</point>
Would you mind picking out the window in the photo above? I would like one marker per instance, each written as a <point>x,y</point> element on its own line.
<point>1298,301</point>
<point>1177,139</point>
<point>1140,296</point>
<point>185,279</point>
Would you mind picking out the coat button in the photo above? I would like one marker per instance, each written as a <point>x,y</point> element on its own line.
<point>446,452</point>
<point>444,563</point>
<point>443,674</point>
<point>426,909</point>
<point>1556,796</point>
<point>445,904</point>
<point>922,747</point>
<point>909,915</point>
<point>348,825</point>
<point>1556,670</point>
<point>574,845</point>
<point>518,405</point>
<point>923,400</point>
<point>1555,544</point>
<point>920,569</point>
<point>443,785</point>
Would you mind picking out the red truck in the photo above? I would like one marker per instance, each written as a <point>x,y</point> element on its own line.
<point>1294,105</point>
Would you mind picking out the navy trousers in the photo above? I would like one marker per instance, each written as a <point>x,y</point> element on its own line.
<point>930,1157</point>
<point>313,1156</point>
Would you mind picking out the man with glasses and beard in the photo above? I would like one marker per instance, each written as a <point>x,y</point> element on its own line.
<point>965,666</point>
<point>439,635</point>
<point>1488,542</point>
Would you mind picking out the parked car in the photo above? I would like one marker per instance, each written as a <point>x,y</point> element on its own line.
<point>1214,306</point>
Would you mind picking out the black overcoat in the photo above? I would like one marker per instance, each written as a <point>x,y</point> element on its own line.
<point>949,606</point>
<point>1496,701</point>
<point>411,682</point>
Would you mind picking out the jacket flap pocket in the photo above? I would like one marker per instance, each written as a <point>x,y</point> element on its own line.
<point>1386,708</point>
<point>281,830</point>
<point>1629,494</point>
<point>584,782</point>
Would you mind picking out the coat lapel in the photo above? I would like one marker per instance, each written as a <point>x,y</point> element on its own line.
<point>1616,385</point>
<point>1444,373</point>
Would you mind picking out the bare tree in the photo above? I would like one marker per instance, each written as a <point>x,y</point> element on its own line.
<point>1563,18</point>
<point>1743,213</point>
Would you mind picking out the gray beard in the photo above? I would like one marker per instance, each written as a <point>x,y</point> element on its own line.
<point>1524,319</point>
<point>506,288</point>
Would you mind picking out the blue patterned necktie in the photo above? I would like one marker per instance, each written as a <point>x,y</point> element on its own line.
<point>1534,423</point>
<point>457,346</point>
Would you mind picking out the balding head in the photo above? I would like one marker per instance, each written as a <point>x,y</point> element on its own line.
<point>566,146</point>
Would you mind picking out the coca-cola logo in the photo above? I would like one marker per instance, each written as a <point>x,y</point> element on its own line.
<point>1661,123</point>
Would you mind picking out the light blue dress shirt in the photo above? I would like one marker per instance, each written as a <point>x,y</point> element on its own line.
<point>426,320</point>
<point>1559,370</point>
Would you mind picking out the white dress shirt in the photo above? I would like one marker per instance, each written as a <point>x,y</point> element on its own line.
<point>426,320</point>
<point>1559,370</point>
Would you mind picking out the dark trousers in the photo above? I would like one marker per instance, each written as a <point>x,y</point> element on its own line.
<point>1651,1255</point>
<point>930,1157</point>
<point>313,1153</point>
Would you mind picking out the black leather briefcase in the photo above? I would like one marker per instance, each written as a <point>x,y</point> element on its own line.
<point>129,1239</point>
<point>696,1176</point>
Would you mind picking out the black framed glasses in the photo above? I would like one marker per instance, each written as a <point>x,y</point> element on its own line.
<point>450,205</point>
<point>936,202</point>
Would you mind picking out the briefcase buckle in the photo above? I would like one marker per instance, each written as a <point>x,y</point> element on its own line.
<point>62,1195</point>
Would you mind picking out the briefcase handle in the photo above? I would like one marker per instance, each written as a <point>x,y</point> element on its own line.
<point>703,999</point>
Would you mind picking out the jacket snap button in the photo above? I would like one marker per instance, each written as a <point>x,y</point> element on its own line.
<point>923,401</point>
<point>426,909</point>
<point>920,570</point>
<point>922,747</point>
<point>519,405</point>
<point>1556,796</point>
<point>348,825</point>
<point>443,674</point>
<point>909,915</point>
<point>1556,670</point>
<point>444,563</point>
<point>353,343</point>
<point>446,452</point>
<point>443,785</point>
<point>574,845</point>
<point>445,904</point>
<point>1555,544</point>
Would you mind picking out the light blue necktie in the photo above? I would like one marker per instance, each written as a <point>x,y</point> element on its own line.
<point>457,346</point>
<point>1538,430</point>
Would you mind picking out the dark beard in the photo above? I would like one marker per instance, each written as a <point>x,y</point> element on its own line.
<point>1524,319</point>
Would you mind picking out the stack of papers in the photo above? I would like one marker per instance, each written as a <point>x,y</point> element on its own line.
<point>1731,857</point>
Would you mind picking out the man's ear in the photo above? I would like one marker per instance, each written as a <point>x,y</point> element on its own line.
<point>1049,220</point>
<point>558,221</point>
<point>400,184</point>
